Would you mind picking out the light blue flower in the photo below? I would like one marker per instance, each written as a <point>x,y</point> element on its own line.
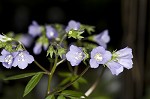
<point>121,59</point>
<point>7,58</point>
<point>72,25</point>
<point>51,32</point>
<point>99,56</point>
<point>102,39</point>
<point>34,29</point>
<point>22,59</point>
<point>75,55</point>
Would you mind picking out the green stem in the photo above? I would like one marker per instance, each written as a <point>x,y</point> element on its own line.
<point>91,89</point>
<point>76,70</point>
<point>60,62</point>
<point>62,39</point>
<point>70,67</point>
<point>41,67</point>
<point>69,84</point>
<point>51,75</point>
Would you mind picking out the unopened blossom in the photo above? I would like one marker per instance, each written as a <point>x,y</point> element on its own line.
<point>102,39</point>
<point>72,25</point>
<point>121,59</point>
<point>38,48</point>
<point>4,38</point>
<point>75,55</point>
<point>22,59</point>
<point>34,29</point>
<point>51,32</point>
<point>26,40</point>
<point>99,56</point>
<point>7,58</point>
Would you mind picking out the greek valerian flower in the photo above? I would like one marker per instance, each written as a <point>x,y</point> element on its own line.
<point>22,59</point>
<point>51,32</point>
<point>7,58</point>
<point>121,59</point>
<point>102,39</point>
<point>75,55</point>
<point>34,29</point>
<point>72,25</point>
<point>99,56</point>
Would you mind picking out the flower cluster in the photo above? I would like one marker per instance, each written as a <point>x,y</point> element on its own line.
<point>53,39</point>
<point>20,59</point>
<point>114,61</point>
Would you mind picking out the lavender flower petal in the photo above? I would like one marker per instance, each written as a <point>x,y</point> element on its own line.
<point>127,63</point>
<point>93,63</point>
<point>72,25</point>
<point>115,67</point>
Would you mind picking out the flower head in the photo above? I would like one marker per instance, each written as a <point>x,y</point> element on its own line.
<point>7,58</point>
<point>34,29</point>
<point>102,38</point>
<point>99,56</point>
<point>72,25</point>
<point>22,59</point>
<point>75,55</point>
<point>51,32</point>
<point>121,59</point>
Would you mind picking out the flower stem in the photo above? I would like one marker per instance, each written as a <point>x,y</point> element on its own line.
<point>62,39</point>
<point>51,75</point>
<point>41,67</point>
<point>69,84</point>
<point>60,62</point>
<point>91,89</point>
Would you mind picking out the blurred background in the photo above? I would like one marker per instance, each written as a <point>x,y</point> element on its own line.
<point>128,23</point>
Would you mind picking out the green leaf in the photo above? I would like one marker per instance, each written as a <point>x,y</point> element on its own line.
<point>61,97</point>
<point>50,51</point>
<point>75,34</point>
<point>61,51</point>
<point>50,97</point>
<point>64,74</point>
<point>20,76</point>
<point>8,47</point>
<point>76,85</point>
<point>66,80</point>
<point>82,80</point>
<point>88,28</point>
<point>32,83</point>
<point>2,44</point>
<point>70,93</point>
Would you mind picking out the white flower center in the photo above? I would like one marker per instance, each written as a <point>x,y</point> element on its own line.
<point>51,34</point>
<point>78,55</point>
<point>8,59</point>
<point>98,57</point>
<point>21,57</point>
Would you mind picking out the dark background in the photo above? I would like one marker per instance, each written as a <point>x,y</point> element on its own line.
<point>127,21</point>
